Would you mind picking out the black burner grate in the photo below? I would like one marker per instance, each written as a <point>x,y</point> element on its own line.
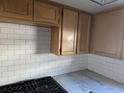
<point>43,85</point>
<point>49,85</point>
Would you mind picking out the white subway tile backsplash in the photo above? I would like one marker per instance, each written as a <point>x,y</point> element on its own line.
<point>109,67</point>
<point>3,36</point>
<point>25,54</point>
<point>6,42</point>
<point>2,25</point>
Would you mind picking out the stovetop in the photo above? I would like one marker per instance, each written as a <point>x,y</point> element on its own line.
<point>43,85</point>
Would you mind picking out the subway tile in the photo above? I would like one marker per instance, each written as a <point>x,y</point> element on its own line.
<point>3,36</point>
<point>7,31</point>
<point>6,42</point>
<point>109,67</point>
<point>2,25</point>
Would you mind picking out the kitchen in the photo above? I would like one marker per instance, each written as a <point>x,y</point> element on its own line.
<point>76,45</point>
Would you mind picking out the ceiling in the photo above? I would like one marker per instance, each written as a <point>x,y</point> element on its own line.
<point>89,6</point>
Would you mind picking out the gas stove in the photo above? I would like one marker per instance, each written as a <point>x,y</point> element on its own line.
<point>43,85</point>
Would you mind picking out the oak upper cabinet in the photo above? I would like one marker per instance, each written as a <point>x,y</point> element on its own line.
<point>108,34</point>
<point>16,9</point>
<point>46,13</point>
<point>83,33</point>
<point>69,32</point>
<point>63,38</point>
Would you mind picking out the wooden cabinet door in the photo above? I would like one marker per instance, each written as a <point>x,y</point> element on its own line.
<point>108,34</point>
<point>83,33</point>
<point>69,32</point>
<point>18,9</point>
<point>46,13</point>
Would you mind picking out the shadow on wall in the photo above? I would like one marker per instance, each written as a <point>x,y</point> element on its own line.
<point>42,40</point>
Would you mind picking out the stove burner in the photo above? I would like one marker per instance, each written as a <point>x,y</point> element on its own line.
<point>43,85</point>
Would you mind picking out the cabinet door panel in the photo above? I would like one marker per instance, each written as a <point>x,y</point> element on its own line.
<point>46,13</point>
<point>108,34</point>
<point>83,33</point>
<point>20,9</point>
<point>69,31</point>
